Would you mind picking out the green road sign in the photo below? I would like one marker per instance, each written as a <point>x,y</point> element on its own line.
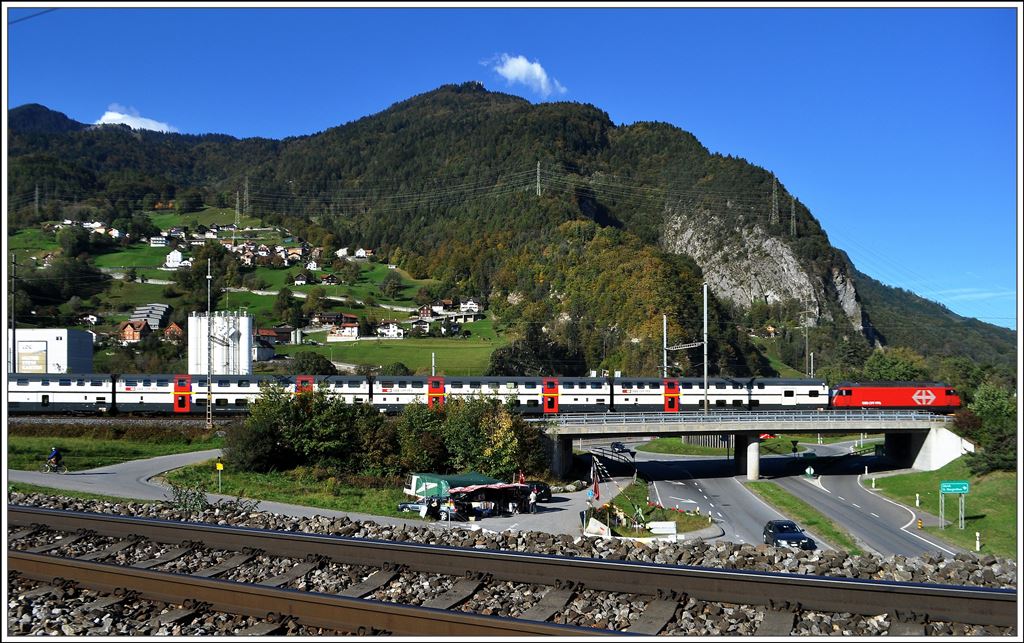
<point>954,486</point>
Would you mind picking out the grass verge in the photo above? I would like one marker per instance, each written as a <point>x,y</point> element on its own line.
<point>990,506</point>
<point>780,445</point>
<point>298,486</point>
<point>26,453</point>
<point>635,496</point>
<point>805,515</point>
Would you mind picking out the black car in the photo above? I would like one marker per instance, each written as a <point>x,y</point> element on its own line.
<point>785,533</point>
<point>542,488</point>
<point>618,447</point>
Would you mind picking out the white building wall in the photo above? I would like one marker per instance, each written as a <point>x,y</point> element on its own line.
<point>941,447</point>
<point>231,343</point>
<point>50,350</point>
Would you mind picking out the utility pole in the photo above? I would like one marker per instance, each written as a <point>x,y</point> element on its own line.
<point>247,194</point>
<point>812,364</point>
<point>209,347</point>
<point>775,201</point>
<point>14,322</point>
<point>705,348</point>
<point>792,215</point>
<point>538,179</point>
<point>37,199</point>
<point>806,342</point>
<point>664,346</point>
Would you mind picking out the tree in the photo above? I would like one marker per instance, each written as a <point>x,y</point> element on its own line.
<point>283,304</point>
<point>392,285</point>
<point>996,408</point>
<point>395,368</point>
<point>314,300</point>
<point>310,363</point>
<point>188,201</point>
<point>73,240</point>
<point>897,364</point>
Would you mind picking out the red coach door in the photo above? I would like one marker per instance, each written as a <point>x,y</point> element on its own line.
<point>550,395</point>
<point>671,396</point>
<point>435,392</point>
<point>303,383</point>
<point>182,393</point>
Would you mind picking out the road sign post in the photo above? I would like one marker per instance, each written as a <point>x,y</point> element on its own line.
<point>960,488</point>
<point>220,467</point>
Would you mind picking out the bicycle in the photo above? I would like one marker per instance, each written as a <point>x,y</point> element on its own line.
<point>48,467</point>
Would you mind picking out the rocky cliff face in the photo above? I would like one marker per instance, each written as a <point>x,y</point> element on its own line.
<point>744,264</point>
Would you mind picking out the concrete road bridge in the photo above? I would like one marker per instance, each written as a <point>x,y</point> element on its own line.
<point>912,438</point>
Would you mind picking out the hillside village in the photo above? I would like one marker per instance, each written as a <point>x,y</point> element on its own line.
<point>271,248</point>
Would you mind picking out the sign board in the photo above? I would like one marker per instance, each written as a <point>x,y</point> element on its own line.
<point>32,357</point>
<point>220,466</point>
<point>954,486</point>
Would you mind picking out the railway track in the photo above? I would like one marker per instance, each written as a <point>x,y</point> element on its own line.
<point>360,582</point>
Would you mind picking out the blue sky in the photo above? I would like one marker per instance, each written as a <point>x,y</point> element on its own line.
<point>896,127</point>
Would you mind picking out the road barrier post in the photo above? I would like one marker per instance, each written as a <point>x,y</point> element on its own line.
<point>920,524</point>
<point>873,483</point>
<point>977,541</point>
<point>917,500</point>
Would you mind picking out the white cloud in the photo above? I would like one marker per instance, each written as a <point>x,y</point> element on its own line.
<point>120,115</point>
<point>517,69</point>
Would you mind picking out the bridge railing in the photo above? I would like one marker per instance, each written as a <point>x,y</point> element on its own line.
<point>740,417</point>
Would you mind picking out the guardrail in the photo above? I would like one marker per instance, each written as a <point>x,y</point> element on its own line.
<point>738,417</point>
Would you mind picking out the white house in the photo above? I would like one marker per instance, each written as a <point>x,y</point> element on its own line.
<point>90,319</point>
<point>115,233</point>
<point>390,329</point>
<point>158,242</point>
<point>300,280</point>
<point>262,350</point>
<point>344,333</point>
<point>469,306</point>
<point>341,252</point>
<point>312,265</point>
<point>173,259</point>
<point>363,253</point>
<point>421,325</point>
<point>210,234</point>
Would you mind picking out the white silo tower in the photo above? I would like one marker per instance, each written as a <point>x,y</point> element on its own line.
<point>230,343</point>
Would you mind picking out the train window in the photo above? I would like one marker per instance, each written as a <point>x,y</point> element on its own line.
<point>403,385</point>
<point>131,382</point>
<point>516,402</point>
<point>199,401</point>
<point>354,384</point>
<point>147,382</point>
<point>64,383</point>
<point>736,387</point>
<point>600,400</point>
<point>531,402</point>
<point>787,394</point>
<point>551,403</point>
<point>654,386</point>
<point>474,385</point>
<point>220,401</point>
<point>812,394</point>
<point>96,382</point>
<point>241,402</point>
<point>162,383</point>
<point>101,400</point>
<point>387,384</point>
<point>358,400</point>
<point>686,386</point>
<point>182,382</point>
<point>760,386</point>
<point>455,384</point>
<point>244,383</point>
<point>720,386</point>
<point>550,385</point>
<point>529,385</point>
<point>566,385</point>
<point>222,383</point>
<point>754,403</point>
<point>416,384</point>
<point>46,400</point>
<point>596,385</point>
<point>737,402</point>
<point>79,382</point>
<point>638,385</point>
<point>950,391</point>
<point>719,402</point>
<point>45,382</point>
<point>511,385</point>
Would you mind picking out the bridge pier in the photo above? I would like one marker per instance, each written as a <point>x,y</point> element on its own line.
<point>561,456</point>
<point>739,458</point>
<point>754,458</point>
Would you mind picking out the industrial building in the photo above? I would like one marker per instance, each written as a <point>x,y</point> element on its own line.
<point>155,315</point>
<point>49,350</point>
<point>230,343</point>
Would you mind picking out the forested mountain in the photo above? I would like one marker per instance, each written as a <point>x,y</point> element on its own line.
<point>629,221</point>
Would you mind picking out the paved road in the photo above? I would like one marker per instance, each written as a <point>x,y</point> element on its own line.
<point>133,480</point>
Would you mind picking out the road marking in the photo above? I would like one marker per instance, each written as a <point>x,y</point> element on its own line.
<point>657,494</point>
<point>913,517</point>
<point>855,505</point>
<point>682,500</point>
<point>875,515</point>
<point>720,514</point>
<point>841,498</point>
<point>711,504</point>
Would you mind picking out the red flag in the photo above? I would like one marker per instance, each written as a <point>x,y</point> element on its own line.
<point>597,488</point>
<point>522,478</point>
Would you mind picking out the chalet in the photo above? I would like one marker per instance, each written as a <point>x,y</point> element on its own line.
<point>173,259</point>
<point>132,331</point>
<point>312,265</point>
<point>174,332</point>
<point>302,280</point>
<point>421,325</point>
<point>268,335</point>
<point>284,333</point>
<point>443,306</point>
<point>92,320</point>
<point>114,233</point>
<point>262,350</point>
<point>210,234</point>
<point>324,318</point>
<point>390,329</point>
<point>425,312</point>
<point>341,252</point>
<point>469,306</point>
<point>344,332</point>
<point>346,318</point>
<point>158,242</point>
<point>330,280</point>
<point>364,253</point>
<point>450,328</point>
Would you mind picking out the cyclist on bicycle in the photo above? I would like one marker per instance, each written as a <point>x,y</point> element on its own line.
<point>55,458</point>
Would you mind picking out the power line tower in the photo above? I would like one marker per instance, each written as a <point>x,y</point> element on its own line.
<point>538,179</point>
<point>247,195</point>
<point>774,218</point>
<point>792,215</point>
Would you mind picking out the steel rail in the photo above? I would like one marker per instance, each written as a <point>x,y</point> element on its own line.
<point>358,616</point>
<point>722,417</point>
<point>975,605</point>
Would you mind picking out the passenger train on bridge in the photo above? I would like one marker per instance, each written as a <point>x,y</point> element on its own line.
<point>188,394</point>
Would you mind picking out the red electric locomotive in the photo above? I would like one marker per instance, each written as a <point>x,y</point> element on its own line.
<point>923,396</point>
